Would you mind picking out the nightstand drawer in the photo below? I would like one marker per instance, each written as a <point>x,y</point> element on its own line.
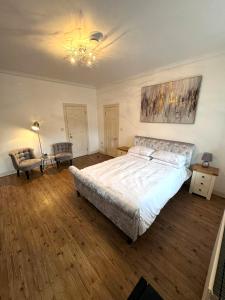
<point>202,179</point>
<point>201,189</point>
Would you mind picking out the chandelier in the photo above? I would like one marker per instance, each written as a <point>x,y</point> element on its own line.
<point>83,49</point>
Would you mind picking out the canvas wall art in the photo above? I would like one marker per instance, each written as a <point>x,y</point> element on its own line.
<point>171,102</point>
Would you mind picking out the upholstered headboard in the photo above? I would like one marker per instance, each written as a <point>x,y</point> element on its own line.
<point>167,145</point>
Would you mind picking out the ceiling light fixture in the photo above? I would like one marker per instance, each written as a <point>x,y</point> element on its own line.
<point>83,50</point>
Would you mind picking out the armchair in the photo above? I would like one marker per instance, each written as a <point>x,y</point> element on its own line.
<point>63,152</point>
<point>25,160</point>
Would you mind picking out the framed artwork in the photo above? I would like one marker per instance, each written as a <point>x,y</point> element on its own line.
<point>171,102</point>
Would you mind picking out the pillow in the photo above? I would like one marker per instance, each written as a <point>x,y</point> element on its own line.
<point>165,163</point>
<point>176,159</point>
<point>140,156</point>
<point>141,150</point>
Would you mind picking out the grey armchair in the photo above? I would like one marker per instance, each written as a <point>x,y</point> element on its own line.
<point>63,152</point>
<point>25,160</point>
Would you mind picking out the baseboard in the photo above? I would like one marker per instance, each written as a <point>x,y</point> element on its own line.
<point>93,152</point>
<point>7,173</point>
<point>102,152</point>
<point>219,194</point>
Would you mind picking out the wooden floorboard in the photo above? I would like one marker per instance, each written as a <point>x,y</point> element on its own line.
<point>54,245</point>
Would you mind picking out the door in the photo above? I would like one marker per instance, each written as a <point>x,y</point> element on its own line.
<point>76,127</point>
<point>111,129</point>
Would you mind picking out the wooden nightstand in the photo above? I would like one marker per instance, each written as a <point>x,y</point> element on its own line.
<point>122,150</point>
<point>203,179</point>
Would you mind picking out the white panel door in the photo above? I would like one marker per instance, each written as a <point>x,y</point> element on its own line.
<point>77,129</point>
<point>111,129</point>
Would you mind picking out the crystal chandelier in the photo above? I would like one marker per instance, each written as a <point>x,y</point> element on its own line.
<point>83,50</point>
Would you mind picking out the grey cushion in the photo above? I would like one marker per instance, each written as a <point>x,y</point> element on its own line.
<point>29,164</point>
<point>63,155</point>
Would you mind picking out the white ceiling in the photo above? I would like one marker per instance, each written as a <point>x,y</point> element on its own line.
<point>142,35</point>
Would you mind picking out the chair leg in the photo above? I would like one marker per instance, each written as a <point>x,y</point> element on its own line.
<point>18,173</point>
<point>41,169</point>
<point>57,164</point>
<point>71,162</point>
<point>27,174</point>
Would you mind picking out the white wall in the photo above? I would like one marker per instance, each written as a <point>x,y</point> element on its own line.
<point>208,131</point>
<point>24,100</point>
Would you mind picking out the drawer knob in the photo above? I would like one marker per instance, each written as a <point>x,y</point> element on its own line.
<point>203,176</point>
<point>201,183</point>
<point>199,190</point>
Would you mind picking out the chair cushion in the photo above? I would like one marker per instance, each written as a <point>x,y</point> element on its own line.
<point>64,156</point>
<point>29,164</point>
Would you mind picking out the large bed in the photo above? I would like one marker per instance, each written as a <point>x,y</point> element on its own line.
<point>130,190</point>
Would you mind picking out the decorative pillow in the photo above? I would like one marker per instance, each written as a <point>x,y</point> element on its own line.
<point>176,159</point>
<point>141,150</point>
<point>140,156</point>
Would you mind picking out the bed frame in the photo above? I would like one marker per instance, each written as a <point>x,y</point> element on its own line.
<point>127,222</point>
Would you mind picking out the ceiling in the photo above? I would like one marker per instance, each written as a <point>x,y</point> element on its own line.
<point>141,35</point>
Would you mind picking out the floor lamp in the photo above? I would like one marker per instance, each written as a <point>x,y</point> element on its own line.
<point>36,127</point>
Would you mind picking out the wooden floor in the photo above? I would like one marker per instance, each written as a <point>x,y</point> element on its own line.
<point>54,245</point>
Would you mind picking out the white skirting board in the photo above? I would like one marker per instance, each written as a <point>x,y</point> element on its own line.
<point>7,173</point>
<point>219,194</point>
<point>208,289</point>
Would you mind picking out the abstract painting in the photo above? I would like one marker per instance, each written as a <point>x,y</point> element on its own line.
<point>171,102</point>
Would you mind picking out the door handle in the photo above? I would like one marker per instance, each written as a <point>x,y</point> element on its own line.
<point>71,136</point>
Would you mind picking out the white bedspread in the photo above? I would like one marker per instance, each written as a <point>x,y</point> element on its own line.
<point>141,184</point>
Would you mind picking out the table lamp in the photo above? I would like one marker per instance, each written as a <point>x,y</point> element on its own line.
<point>206,158</point>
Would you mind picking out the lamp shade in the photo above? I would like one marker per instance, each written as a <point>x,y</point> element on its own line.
<point>35,126</point>
<point>207,156</point>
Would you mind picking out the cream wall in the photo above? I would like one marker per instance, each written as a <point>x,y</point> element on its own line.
<point>208,131</point>
<point>24,100</point>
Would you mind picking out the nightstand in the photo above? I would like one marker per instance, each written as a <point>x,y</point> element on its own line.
<point>203,179</point>
<point>122,150</point>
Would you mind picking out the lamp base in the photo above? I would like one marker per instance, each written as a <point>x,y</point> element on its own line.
<point>205,164</point>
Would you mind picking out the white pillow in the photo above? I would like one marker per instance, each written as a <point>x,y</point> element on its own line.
<point>176,159</point>
<point>141,150</point>
<point>140,156</point>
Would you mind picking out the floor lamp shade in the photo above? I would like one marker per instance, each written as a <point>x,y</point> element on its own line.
<point>35,126</point>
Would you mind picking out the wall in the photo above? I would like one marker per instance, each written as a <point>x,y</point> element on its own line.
<point>208,131</point>
<point>24,100</point>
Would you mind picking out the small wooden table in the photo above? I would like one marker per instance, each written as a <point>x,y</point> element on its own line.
<point>122,150</point>
<point>203,180</point>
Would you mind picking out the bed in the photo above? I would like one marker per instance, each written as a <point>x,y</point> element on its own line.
<point>131,191</point>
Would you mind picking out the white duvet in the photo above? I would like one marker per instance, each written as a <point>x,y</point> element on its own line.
<point>141,184</point>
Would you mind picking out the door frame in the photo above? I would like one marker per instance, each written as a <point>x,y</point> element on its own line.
<point>118,109</point>
<point>65,105</point>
